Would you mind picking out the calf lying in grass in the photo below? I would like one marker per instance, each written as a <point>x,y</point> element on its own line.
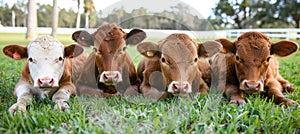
<point>108,71</point>
<point>183,63</point>
<point>249,65</point>
<point>47,71</point>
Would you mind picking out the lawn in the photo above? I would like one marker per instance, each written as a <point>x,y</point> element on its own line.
<point>205,114</point>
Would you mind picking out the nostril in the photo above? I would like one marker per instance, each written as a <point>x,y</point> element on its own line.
<point>51,82</point>
<point>185,87</point>
<point>258,86</point>
<point>105,76</point>
<point>174,87</point>
<point>40,82</point>
<point>246,85</point>
<point>116,76</point>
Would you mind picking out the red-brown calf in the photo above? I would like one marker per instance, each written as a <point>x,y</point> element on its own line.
<point>181,61</point>
<point>249,65</point>
<point>109,69</point>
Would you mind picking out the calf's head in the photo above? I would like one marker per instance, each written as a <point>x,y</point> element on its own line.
<point>110,42</point>
<point>253,54</point>
<point>45,59</point>
<point>178,57</point>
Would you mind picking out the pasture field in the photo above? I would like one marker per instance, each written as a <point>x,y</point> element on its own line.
<point>210,113</point>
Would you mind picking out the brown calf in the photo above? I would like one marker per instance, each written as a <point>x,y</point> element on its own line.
<point>47,72</point>
<point>249,65</point>
<point>108,68</point>
<point>181,61</point>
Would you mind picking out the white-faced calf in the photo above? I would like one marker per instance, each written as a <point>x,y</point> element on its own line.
<point>47,71</point>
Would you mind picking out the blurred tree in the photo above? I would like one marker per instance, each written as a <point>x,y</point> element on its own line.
<point>54,18</point>
<point>5,15</point>
<point>67,18</point>
<point>289,11</point>
<point>119,13</point>
<point>237,10</point>
<point>182,16</point>
<point>139,17</point>
<point>93,19</point>
<point>88,8</point>
<point>32,20</point>
<point>44,17</point>
<point>20,9</point>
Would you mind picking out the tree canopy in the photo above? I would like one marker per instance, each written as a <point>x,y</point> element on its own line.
<point>256,14</point>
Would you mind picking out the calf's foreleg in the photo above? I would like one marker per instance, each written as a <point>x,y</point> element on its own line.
<point>24,97</point>
<point>275,91</point>
<point>62,95</point>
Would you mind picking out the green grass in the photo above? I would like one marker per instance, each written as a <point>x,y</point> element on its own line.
<point>206,114</point>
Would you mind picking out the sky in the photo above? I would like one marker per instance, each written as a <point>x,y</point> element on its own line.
<point>201,8</point>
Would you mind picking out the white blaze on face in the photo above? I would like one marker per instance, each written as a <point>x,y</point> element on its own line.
<point>46,61</point>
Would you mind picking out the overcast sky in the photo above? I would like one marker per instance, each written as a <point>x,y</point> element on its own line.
<point>201,8</point>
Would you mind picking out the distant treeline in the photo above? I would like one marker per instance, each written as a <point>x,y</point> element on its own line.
<point>227,14</point>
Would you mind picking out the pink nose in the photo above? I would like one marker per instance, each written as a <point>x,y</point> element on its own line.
<point>179,86</point>
<point>250,85</point>
<point>46,82</point>
<point>111,77</point>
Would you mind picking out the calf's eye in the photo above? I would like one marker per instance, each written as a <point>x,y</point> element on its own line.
<point>237,57</point>
<point>163,60</point>
<point>30,59</point>
<point>124,48</point>
<point>268,59</point>
<point>196,59</point>
<point>60,58</point>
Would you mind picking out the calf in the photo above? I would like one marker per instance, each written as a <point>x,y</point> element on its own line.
<point>109,67</point>
<point>47,71</point>
<point>249,65</point>
<point>181,61</point>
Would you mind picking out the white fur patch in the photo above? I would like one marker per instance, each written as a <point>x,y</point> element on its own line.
<point>21,90</point>
<point>44,53</point>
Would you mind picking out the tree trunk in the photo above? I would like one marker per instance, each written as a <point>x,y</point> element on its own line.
<point>54,18</point>
<point>87,19</point>
<point>298,26</point>
<point>78,15</point>
<point>13,18</point>
<point>31,20</point>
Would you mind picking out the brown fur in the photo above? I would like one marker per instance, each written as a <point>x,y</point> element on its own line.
<point>179,59</point>
<point>250,59</point>
<point>110,42</point>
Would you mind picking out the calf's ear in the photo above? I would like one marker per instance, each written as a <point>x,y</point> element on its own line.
<point>228,46</point>
<point>83,38</point>
<point>284,48</point>
<point>16,52</point>
<point>72,51</point>
<point>209,48</point>
<point>148,49</point>
<point>135,36</point>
